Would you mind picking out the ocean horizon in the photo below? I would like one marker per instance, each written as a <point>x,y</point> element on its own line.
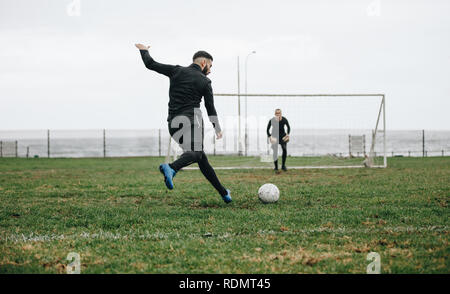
<point>154,142</point>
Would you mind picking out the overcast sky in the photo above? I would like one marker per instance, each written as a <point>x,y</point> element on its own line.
<point>70,66</point>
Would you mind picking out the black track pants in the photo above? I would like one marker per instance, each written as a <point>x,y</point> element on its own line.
<point>191,141</point>
<point>275,153</point>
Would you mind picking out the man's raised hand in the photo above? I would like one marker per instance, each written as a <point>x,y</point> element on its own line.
<point>141,47</point>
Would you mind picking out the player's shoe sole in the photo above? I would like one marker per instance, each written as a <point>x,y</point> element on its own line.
<point>168,173</point>
<point>227,198</point>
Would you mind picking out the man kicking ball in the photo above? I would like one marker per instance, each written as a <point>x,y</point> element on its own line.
<point>279,136</point>
<point>187,87</point>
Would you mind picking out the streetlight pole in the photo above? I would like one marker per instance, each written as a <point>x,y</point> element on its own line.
<point>239,110</point>
<point>246,127</point>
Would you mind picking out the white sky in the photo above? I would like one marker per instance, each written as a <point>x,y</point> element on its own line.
<point>60,71</point>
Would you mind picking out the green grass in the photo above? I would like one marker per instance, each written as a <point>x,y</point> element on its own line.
<point>254,161</point>
<point>118,215</point>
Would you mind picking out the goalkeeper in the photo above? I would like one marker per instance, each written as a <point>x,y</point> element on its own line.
<point>279,136</point>
<point>187,87</point>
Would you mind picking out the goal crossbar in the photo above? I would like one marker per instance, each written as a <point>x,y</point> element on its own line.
<point>301,95</point>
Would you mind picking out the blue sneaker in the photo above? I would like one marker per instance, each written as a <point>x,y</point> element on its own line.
<point>227,198</point>
<point>168,173</point>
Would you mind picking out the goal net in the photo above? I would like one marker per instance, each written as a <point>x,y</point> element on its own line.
<point>326,131</point>
<point>8,149</point>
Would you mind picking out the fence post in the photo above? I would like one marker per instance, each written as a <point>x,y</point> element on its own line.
<point>28,151</point>
<point>159,142</point>
<point>442,152</point>
<point>409,153</point>
<point>364,145</point>
<point>257,137</point>
<point>224,142</point>
<point>17,153</point>
<point>214,142</point>
<point>246,142</point>
<point>1,148</point>
<point>48,143</point>
<point>423,143</point>
<point>349,145</point>
<point>235,147</point>
<point>104,143</point>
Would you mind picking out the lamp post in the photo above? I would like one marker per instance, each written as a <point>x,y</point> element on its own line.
<point>246,127</point>
<point>239,147</point>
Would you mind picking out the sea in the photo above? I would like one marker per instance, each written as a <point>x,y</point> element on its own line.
<point>155,142</point>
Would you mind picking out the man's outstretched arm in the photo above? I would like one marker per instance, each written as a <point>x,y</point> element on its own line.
<point>150,63</point>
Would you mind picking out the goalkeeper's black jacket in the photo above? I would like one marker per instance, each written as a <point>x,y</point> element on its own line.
<point>280,133</point>
<point>187,87</point>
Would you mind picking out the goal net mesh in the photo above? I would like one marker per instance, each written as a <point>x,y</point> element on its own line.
<point>326,131</point>
<point>8,148</point>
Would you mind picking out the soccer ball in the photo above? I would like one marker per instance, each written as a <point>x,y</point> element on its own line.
<point>268,193</point>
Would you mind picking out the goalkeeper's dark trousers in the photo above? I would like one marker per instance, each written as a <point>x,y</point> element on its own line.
<point>275,153</point>
<point>190,139</point>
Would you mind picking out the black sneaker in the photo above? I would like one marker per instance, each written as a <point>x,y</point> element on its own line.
<point>275,169</point>
<point>284,168</point>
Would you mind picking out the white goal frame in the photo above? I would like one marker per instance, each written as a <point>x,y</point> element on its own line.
<point>377,129</point>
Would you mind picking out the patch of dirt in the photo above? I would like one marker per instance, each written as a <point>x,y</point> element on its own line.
<point>296,256</point>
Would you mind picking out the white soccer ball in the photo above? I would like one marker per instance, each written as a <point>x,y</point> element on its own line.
<point>268,193</point>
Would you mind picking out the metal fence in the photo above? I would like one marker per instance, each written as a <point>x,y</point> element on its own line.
<point>154,142</point>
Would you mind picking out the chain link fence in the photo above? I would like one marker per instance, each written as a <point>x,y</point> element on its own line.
<point>154,142</point>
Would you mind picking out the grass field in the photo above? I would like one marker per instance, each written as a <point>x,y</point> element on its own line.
<point>118,215</point>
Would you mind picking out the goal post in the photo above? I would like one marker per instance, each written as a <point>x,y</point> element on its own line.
<point>325,128</point>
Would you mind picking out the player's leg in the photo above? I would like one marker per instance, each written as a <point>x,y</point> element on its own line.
<point>185,159</point>
<point>188,157</point>
<point>284,155</point>
<point>206,169</point>
<point>275,155</point>
<point>209,173</point>
<point>193,152</point>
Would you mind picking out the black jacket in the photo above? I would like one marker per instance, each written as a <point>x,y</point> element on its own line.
<point>187,87</point>
<point>281,132</point>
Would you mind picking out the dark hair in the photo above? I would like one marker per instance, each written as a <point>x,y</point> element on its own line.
<point>202,54</point>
